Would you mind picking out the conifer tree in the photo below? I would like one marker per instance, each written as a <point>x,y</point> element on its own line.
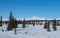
<point>54,25</point>
<point>1,21</point>
<point>33,24</point>
<point>24,23</point>
<point>45,25</point>
<point>48,27</point>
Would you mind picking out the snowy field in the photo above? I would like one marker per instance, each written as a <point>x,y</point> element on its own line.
<point>30,31</point>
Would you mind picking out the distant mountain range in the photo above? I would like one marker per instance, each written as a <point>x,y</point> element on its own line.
<point>32,18</point>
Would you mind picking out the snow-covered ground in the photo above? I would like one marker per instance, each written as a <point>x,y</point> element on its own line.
<point>30,31</point>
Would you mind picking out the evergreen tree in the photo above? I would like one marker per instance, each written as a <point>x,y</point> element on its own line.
<point>11,24</point>
<point>45,25</point>
<point>24,23</point>
<point>33,24</point>
<point>54,25</point>
<point>1,21</point>
<point>48,28</point>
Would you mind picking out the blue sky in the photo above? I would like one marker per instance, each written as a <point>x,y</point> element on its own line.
<point>29,8</point>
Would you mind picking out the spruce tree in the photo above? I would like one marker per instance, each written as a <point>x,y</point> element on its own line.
<point>48,27</point>
<point>54,25</point>
<point>45,25</point>
<point>1,21</point>
<point>33,24</point>
<point>23,23</point>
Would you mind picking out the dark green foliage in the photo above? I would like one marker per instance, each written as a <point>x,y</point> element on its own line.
<point>33,24</point>
<point>12,24</point>
<point>48,28</point>
<point>45,25</point>
<point>23,23</point>
<point>9,27</point>
<point>54,25</point>
<point>15,23</point>
<point>1,21</point>
<point>58,23</point>
<point>54,29</point>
